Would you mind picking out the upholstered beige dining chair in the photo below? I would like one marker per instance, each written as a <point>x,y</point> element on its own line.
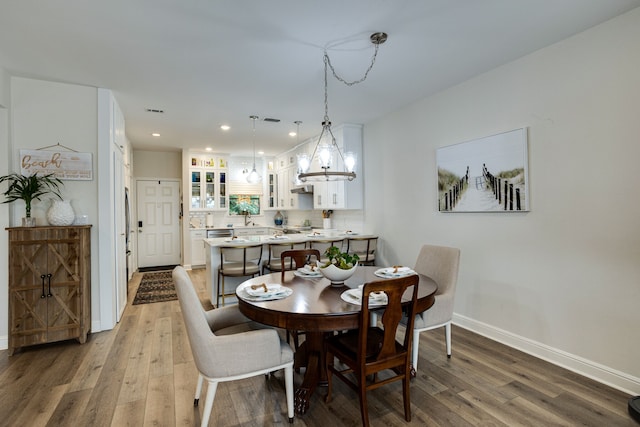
<point>227,346</point>
<point>441,264</point>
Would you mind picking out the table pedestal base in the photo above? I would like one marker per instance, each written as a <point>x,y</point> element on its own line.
<point>311,355</point>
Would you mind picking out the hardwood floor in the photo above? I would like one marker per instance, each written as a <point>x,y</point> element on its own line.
<point>142,373</point>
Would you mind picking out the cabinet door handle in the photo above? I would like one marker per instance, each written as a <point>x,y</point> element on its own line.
<point>42,276</point>
<point>49,277</point>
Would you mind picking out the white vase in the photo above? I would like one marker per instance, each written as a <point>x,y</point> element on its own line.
<point>60,213</point>
<point>326,223</point>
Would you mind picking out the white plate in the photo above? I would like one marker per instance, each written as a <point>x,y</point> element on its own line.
<point>272,290</point>
<point>315,235</point>
<point>305,272</point>
<point>236,240</point>
<point>393,272</point>
<point>243,292</point>
<point>278,238</point>
<point>354,296</point>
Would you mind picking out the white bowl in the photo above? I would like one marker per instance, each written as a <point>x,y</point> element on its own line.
<point>337,275</point>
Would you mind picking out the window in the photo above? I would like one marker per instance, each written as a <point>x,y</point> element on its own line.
<point>239,203</point>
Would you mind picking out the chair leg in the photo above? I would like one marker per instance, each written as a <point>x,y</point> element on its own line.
<point>415,346</point>
<point>288,385</point>
<point>447,335</point>
<point>406,397</point>
<point>208,404</point>
<point>221,289</point>
<point>362,391</point>
<point>218,292</point>
<point>196,399</point>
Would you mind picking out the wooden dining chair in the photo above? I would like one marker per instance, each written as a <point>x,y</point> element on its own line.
<point>237,261</point>
<point>297,258</point>
<point>290,260</point>
<point>371,349</point>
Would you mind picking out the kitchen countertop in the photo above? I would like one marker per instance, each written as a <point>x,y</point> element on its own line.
<point>293,238</point>
<point>212,228</point>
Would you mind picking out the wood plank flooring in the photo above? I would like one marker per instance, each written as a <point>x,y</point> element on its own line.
<point>142,373</point>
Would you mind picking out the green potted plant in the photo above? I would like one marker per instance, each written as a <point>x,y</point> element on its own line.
<point>30,188</point>
<point>340,266</point>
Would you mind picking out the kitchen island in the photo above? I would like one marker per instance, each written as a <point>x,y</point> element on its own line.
<point>213,252</point>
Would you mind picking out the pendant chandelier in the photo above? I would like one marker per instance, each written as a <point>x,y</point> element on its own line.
<point>326,148</point>
<point>254,177</point>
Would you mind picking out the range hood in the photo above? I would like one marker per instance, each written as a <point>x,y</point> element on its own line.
<point>305,189</point>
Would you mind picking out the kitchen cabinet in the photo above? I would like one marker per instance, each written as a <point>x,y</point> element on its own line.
<point>49,284</point>
<point>271,191</point>
<point>198,252</point>
<point>208,185</point>
<point>287,179</point>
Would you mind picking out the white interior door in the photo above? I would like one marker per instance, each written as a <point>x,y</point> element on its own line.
<point>158,224</point>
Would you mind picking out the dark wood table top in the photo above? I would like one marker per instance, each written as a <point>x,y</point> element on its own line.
<point>315,304</point>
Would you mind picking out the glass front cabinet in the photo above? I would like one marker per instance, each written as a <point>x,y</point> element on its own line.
<point>208,184</point>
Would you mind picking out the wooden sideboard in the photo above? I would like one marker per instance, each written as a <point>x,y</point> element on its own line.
<point>49,284</point>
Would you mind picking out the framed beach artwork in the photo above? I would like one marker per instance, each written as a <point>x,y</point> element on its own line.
<point>487,174</point>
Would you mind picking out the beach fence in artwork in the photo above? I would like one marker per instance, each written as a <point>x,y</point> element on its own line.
<point>489,174</point>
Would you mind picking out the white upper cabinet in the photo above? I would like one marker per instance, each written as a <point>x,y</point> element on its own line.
<point>208,182</point>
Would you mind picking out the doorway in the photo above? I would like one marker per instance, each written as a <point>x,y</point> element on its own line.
<point>158,224</point>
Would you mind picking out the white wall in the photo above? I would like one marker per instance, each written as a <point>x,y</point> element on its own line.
<point>157,164</point>
<point>562,281</point>
<point>5,100</point>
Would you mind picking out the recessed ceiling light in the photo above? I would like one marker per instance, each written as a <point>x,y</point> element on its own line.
<point>292,133</point>
<point>209,149</point>
<point>261,152</point>
<point>155,134</point>
<point>225,127</point>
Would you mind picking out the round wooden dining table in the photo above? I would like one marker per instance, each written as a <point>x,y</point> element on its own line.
<point>315,306</point>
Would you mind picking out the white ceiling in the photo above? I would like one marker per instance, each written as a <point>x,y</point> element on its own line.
<point>212,62</point>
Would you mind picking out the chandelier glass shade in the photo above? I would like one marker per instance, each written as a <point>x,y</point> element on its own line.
<point>254,177</point>
<point>334,165</point>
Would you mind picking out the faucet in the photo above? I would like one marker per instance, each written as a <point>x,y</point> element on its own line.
<point>247,217</point>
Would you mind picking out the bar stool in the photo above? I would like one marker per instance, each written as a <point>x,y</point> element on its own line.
<point>364,247</point>
<point>237,261</point>
<point>273,263</point>
<point>323,244</point>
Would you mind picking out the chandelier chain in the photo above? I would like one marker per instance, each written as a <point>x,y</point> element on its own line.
<point>355,82</point>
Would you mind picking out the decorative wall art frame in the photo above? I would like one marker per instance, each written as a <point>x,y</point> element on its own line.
<point>66,165</point>
<point>489,174</point>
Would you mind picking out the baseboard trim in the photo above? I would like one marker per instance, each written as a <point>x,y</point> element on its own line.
<point>595,371</point>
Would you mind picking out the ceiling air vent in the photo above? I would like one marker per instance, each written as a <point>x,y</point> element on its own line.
<point>154,110</point>
<point>269,119</point>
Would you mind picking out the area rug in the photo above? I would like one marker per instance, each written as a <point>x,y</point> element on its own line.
<point>155,286</point>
